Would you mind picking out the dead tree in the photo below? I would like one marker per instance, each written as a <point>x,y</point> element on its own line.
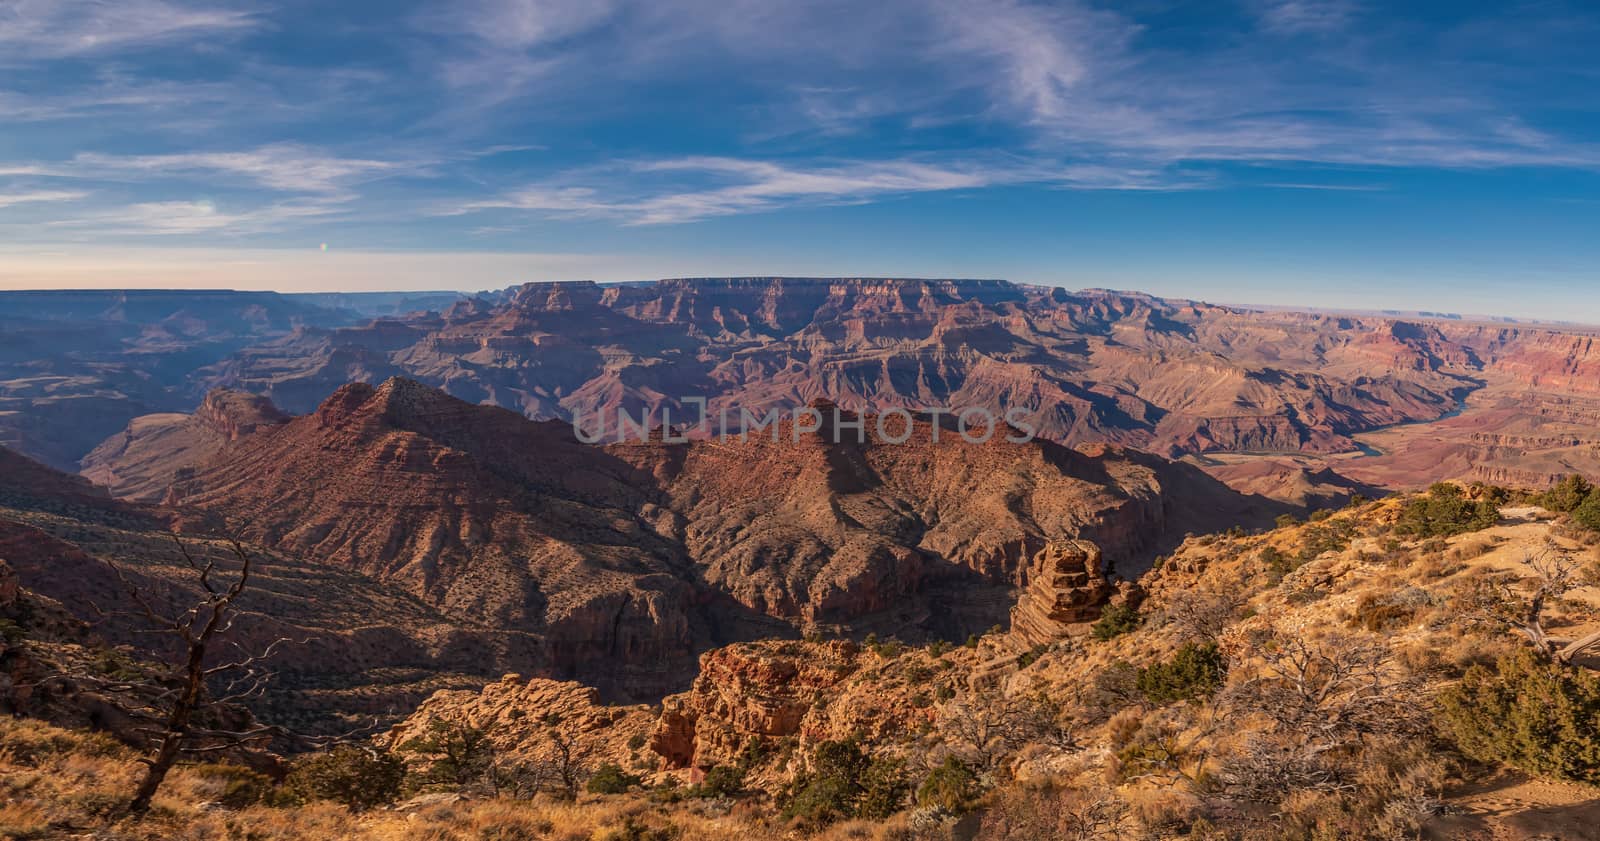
<point>1321,699</point>
<point>1520,603</point>
<point>200,632</point>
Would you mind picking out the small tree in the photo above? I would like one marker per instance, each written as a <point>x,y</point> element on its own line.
<point>951,787</point>
<point>845,782</point>
<point>1323,700</point>
<point>453,753</point>
<point>1204,613</point>
<point>987,725</point>
<point>1116,620</point>
<point>566,757</point>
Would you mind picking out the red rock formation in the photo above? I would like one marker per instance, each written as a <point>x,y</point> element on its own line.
<point>142,461</point>
<point>1066,586</point>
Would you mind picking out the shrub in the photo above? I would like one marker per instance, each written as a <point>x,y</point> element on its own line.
<point>1194,671</point>
<point>1277,562</point>
<point>609,778</point>
<point>884,789</point>
<point>1540,717</point>
<point>238,786</point>
<point>720,781</point>
<point>845,782</point>
<point>633,829</point>
<point>354,776</point>
<point>455,754</point>
<point>951,787</point>
<point>1587,514</point>
<point>1116,620</point>
<point>1445,511</point>
<point>1380,614</point>
<point>1567,495</point>
<point>1031,656</point>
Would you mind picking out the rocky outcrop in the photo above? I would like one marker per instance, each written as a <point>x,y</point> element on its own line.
<point>749,692</point>
<point>1066,587</point>
<point>518,715</point>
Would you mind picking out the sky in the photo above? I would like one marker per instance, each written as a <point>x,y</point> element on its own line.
<point>1419,155</point>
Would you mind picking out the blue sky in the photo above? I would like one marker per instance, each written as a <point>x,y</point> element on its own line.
<point>1323,152</point>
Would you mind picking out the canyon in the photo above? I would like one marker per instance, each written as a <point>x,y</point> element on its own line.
<point>1307,407</point>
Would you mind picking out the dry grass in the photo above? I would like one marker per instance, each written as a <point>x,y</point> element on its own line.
<point>56,782</point>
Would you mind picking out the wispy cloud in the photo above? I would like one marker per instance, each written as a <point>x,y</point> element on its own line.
<point>12,199</point>
<point>196,217</point>
<point>738,186</point>
<point>45,29</point>
<point>286,167</point>
<point>1337,188</point>
<point>1302,16</point>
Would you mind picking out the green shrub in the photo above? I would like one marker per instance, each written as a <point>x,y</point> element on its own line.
<point>951,787</point>
<point>1445,511</point>
<point>1587,514</point>
<point>1567,495</point>
<point>357,777</point>
<point>845,782</point>
<point>1540,717</point>
<point>1116,620</point>
<point>1277,562</point>
<point>240,786</point>
<point>609,778</point>
<point>1327,536</point>
<point>719,781</point>
<point>1194,671</point>
<point>1031,656</point>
